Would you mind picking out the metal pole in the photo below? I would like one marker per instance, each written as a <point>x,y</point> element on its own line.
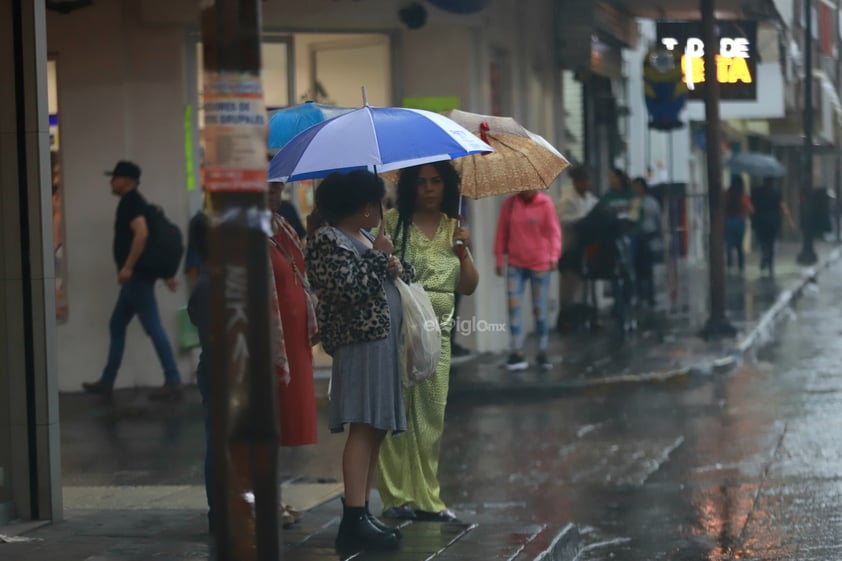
<point>243,400</point>
<point>838,191</point>
<point>808,253</point>
<point>717,324</point>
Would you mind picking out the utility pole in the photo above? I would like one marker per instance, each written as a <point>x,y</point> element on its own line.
<point>243,402</point>
<point>808,253</point>
<point>717,324</point>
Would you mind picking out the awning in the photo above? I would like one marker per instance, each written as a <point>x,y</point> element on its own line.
<point>690,9</point>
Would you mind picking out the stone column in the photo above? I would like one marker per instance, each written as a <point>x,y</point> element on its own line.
<point>30,462</point>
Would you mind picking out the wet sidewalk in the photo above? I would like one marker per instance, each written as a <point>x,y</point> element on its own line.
<point>133,473</point>
<point>666,345</point>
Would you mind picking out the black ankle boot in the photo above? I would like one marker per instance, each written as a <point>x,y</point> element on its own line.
<point>380,525</point>
<point>356,532</point>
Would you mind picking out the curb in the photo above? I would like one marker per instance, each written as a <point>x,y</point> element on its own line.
<point>765,327</point>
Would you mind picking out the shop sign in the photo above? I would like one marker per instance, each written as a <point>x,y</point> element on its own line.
<point>736,59</point>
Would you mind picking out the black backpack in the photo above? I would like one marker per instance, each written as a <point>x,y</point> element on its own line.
<point>164,247</point>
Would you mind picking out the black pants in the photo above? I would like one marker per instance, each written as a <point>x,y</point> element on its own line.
<point>644,269</point>
<point>767,253</point>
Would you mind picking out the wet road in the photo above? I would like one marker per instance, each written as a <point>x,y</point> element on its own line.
<point>743,466</point>
<point>739,466</point>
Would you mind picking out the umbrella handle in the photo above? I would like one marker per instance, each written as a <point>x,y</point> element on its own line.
<point>459,245</point>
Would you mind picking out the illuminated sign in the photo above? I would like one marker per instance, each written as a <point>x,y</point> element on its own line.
<point>736,57</point>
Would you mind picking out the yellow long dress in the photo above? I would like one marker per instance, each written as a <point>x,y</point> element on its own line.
<point>409,462</point>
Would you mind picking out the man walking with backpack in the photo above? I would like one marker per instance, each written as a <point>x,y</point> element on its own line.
<point>137,287</point>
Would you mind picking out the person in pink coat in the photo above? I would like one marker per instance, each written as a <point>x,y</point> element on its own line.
<point>528,241</point>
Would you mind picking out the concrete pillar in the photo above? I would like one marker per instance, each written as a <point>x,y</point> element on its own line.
<point>30,485</point>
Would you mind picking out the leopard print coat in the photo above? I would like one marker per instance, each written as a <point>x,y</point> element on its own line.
<point>352,301</point>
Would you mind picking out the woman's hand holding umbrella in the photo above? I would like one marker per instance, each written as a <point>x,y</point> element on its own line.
<point>461,239</point>
<point>383,242</point>
<point>461,236</point>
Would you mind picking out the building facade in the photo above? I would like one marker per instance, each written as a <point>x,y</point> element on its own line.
<point>120,79</point>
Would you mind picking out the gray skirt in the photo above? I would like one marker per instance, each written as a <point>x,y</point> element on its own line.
<point>365,381</point>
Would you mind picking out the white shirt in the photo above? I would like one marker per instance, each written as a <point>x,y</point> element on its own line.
<point>571,208</point>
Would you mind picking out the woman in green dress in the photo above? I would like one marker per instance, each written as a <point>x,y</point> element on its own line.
<point>425,233</point>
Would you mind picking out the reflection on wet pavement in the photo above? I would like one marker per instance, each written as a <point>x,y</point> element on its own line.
<point>742,466</point>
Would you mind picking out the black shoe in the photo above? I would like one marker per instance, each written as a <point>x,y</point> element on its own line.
<point>404,512</point>
<point>357,533</point>
<point>444,516</point>
<point>378,524</point>
<point>543,361</point>
<point>98,388</point>
<point>167,392</point>
<point>516,362</point>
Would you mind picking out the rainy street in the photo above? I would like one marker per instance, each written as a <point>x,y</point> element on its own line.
<point>737,465</point>
<point>741,466</point>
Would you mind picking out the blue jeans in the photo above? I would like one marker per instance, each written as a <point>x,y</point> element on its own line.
<point>735,229</point>
<point>138,297</point>
<point>540,281</point>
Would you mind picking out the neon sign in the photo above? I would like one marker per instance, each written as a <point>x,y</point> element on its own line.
<point>736,63</point>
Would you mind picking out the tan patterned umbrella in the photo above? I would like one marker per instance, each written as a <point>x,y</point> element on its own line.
<point>521,161</point>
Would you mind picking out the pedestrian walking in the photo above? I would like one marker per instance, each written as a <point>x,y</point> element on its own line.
<point>770,211</point>
<point>647,240</point>
<point>137,288</point>
<point>360,317</point>
<point>528,241</point>
<point>425,232</point>
<point>738,208</point>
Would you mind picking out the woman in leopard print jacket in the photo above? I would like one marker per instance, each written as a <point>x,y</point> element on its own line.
<point>352,300</point>
<point>360,319</point>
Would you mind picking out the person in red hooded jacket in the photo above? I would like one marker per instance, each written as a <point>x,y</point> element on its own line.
<point>528,241</point>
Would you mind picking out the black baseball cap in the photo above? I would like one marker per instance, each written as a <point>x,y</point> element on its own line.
<point>125,169</point>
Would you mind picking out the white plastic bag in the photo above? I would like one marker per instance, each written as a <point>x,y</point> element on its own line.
<point>420,345</point>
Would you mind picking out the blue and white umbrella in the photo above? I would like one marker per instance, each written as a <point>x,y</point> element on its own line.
<point>285,124</point>
<point>373,138</point>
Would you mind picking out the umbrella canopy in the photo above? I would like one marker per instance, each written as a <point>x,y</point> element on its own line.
<point>287,123</point>
<point>521,161</point>
<point>474,121</point>
<point>375,138</point>
<point>757,165</point>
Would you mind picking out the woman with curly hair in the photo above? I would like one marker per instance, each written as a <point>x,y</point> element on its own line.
<point>359,315</point>
<point>425,232</point>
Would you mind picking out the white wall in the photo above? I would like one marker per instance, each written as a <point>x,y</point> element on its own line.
<point>124,77</point>
<point>345,63</point>
<point>121,95</point>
